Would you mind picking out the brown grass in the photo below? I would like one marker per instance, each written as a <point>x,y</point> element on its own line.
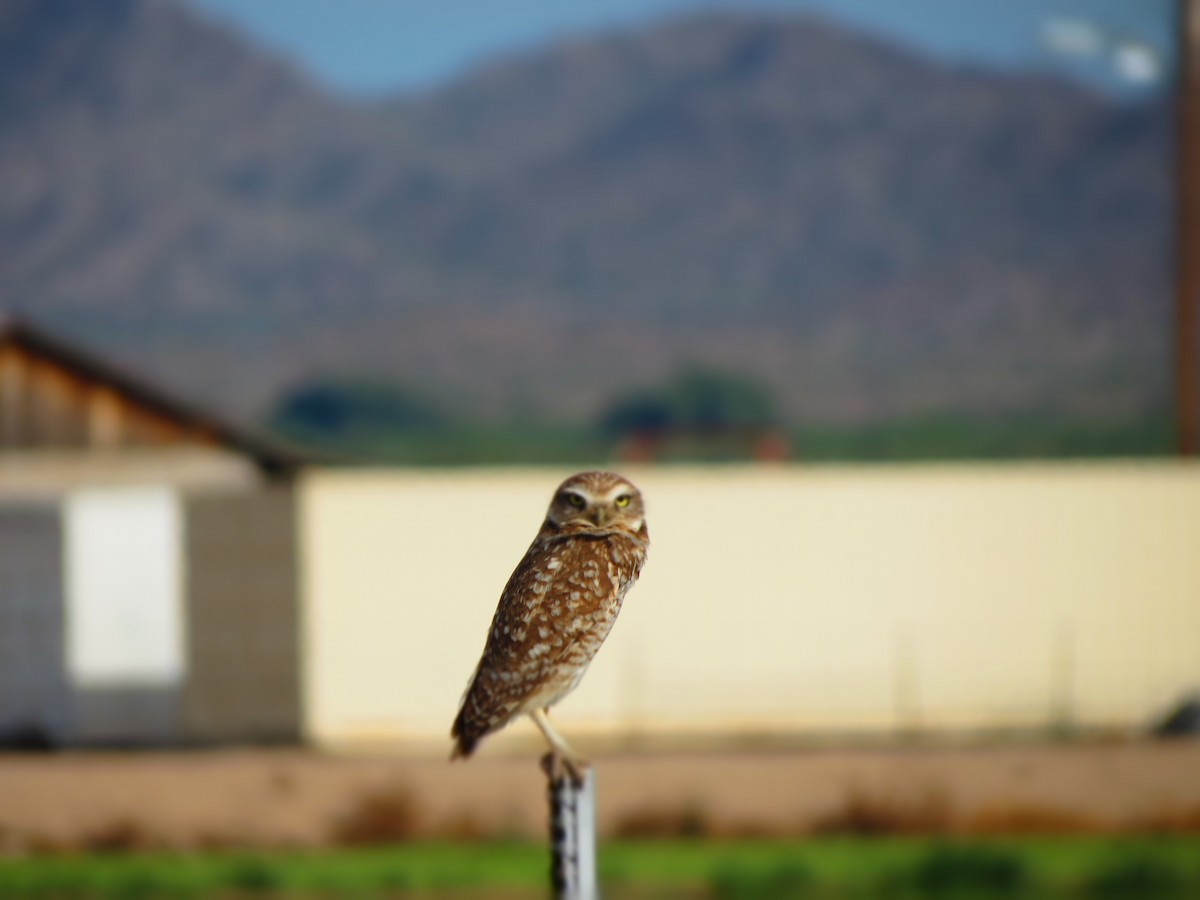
<point>386,816</point>
<point>120,836</point>
<point>868,815</point>
<point>1032,820</point>
<point>1169,820</point>
<point>464,827</point>
<point>682,822</point>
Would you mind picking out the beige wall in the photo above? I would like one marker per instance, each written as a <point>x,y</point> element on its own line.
<point>782,598</point>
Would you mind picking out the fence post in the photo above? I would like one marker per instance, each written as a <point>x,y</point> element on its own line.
<point>572,831</point>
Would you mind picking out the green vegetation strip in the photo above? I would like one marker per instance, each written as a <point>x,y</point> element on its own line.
<point>700,416</point>
<point>1101,867</point>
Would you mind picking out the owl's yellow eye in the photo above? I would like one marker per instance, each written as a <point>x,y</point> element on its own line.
<point>623,501</point>
<point>576,500</point>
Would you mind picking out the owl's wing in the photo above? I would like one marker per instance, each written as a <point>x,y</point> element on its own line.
<point>511,669</point>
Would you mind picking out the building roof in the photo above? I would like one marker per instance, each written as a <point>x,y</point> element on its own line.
<point>269,454</point>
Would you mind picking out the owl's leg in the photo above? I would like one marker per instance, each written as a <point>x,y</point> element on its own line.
<point>573,761</point>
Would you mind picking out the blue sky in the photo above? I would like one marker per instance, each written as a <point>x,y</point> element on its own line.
<point>374,47</point>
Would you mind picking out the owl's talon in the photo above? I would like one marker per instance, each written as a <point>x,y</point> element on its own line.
<point>554,764</point>
<point>560,750</point>
<point>577,768</point>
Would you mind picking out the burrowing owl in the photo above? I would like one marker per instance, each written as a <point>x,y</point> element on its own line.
<point>557,609</point>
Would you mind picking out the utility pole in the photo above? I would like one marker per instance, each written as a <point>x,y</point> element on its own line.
<point>1187,288</point>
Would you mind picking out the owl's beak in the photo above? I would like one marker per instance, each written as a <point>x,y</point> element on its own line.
<point>600,516</point>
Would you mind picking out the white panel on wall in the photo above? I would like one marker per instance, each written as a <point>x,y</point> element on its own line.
<point>124,587</point>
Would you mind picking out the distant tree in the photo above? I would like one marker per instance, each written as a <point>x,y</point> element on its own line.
<point>344,410</point>
<point>636,413</point>
<point>697,400</point>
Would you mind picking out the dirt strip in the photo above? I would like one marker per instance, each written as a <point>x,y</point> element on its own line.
<point>283,798</point>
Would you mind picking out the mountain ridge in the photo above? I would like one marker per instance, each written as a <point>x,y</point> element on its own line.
<point>866,231</point>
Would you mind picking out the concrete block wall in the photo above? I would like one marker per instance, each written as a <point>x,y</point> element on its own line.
<point>35,695</point>
<point>243,628</point>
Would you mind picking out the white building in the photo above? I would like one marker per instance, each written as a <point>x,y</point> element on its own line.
<point>147,561</point>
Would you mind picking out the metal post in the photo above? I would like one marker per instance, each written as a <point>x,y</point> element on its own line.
<point>1187,288</point>
<point>572,831</point>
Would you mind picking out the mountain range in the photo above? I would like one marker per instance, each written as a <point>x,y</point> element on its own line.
<point>867,232</point>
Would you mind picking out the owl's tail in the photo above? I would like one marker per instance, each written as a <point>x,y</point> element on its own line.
<point>464,743</point>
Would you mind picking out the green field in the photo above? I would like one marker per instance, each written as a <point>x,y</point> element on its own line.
<point>1094,867</point>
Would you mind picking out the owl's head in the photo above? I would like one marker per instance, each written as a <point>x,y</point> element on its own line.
<point>597,500</point>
